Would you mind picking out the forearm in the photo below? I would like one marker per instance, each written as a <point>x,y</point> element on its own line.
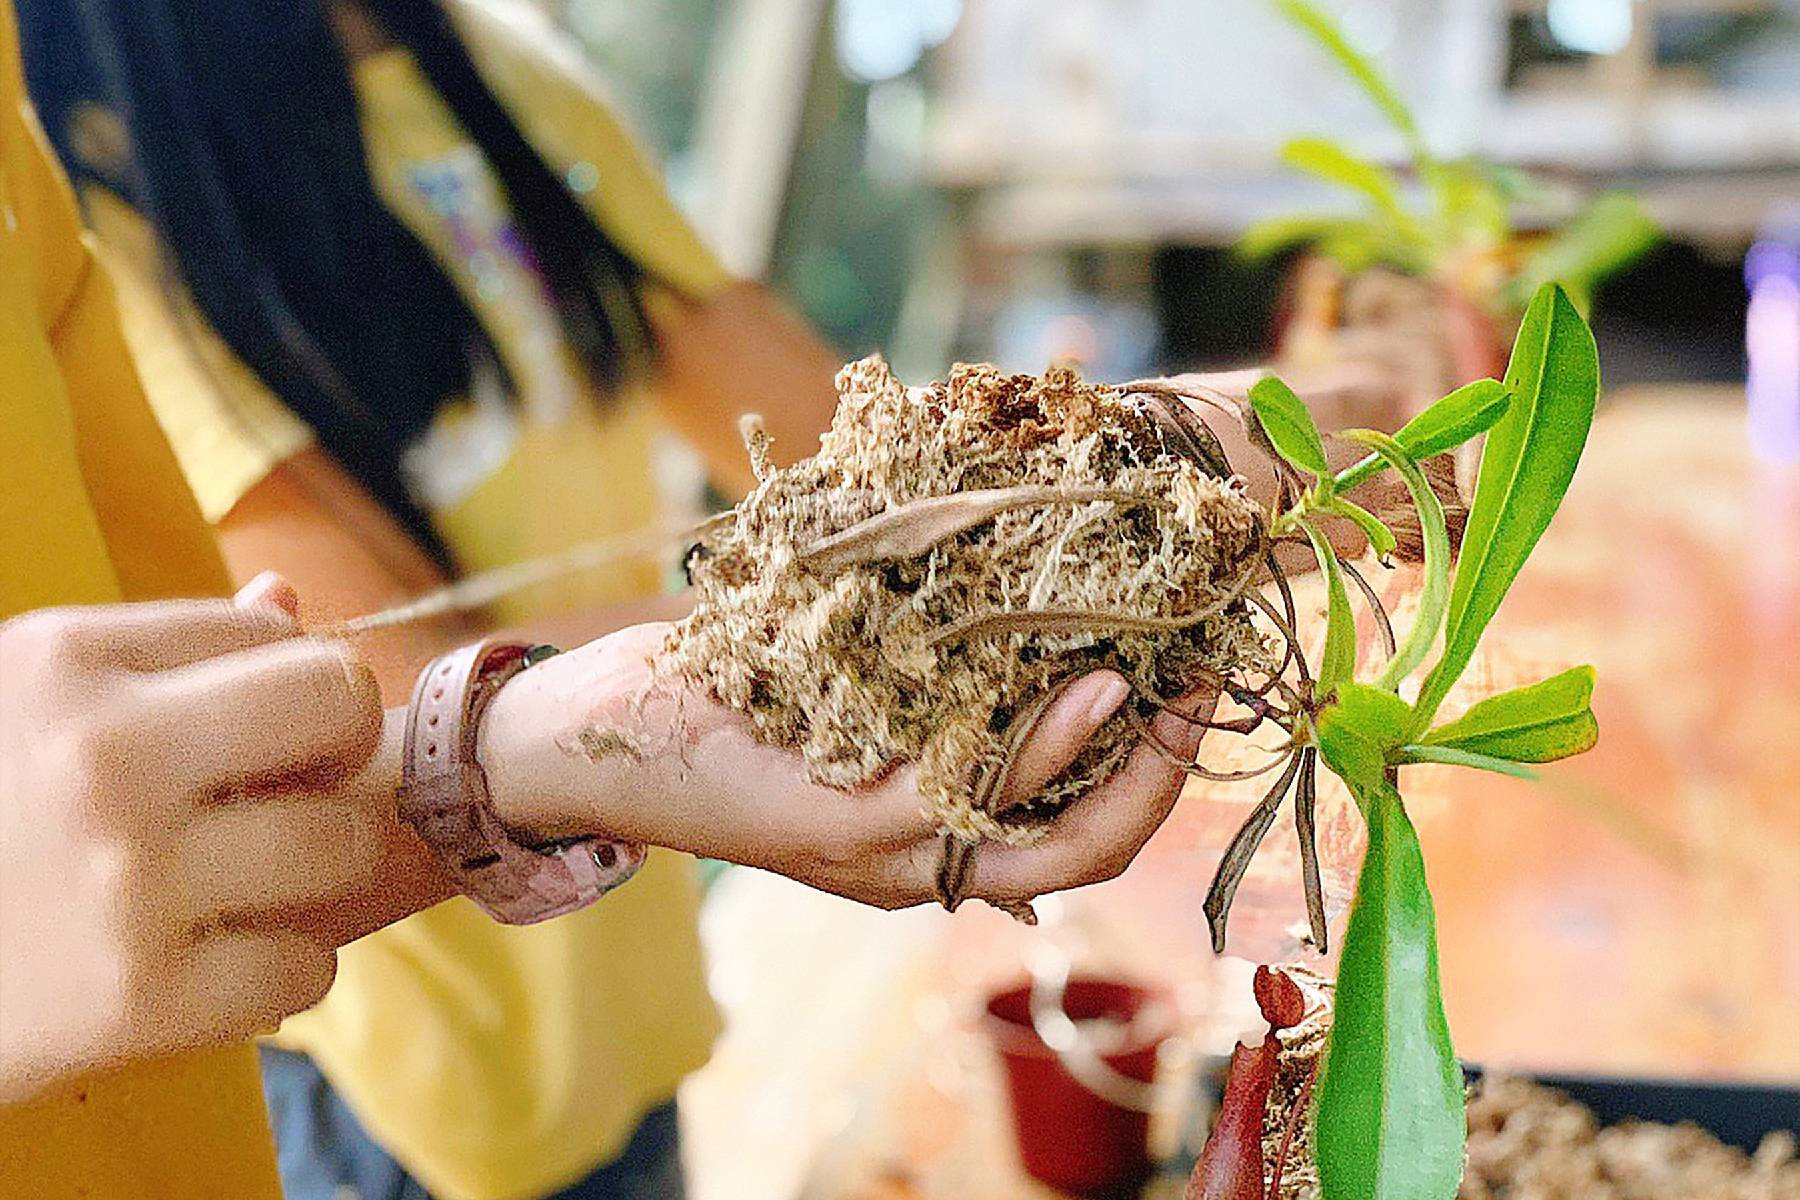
<point>543,783</point>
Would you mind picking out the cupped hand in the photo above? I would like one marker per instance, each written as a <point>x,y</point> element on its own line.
<point>166,806</point>
<point>676,769</point>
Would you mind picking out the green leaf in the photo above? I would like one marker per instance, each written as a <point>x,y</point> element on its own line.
<point>1471,204</point>
<point>1604,237</point>
<point>1348,749</point>
<point>1526,466</point>
<point>1381,538</point>
<point>1275,234</point>
<point>1324,31</point>
<point>1289,424</point>
<point>1357,733</point>
<point>1337,661</point>
<point>1540,723</point>
<point>1469,411</point>
<point>1390,1122</point>
<point>1450,756</point>
<point>1434,591</point>
<point>1331,162</point>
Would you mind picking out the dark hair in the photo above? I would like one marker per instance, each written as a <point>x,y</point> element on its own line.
<point>247,153</point>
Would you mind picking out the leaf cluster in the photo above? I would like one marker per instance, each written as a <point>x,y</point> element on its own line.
<point>1390,1110</point>
<point>1466,208</point>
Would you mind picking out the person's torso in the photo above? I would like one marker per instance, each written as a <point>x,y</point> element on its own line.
<point>93,510</point>
<point>491,1061</point>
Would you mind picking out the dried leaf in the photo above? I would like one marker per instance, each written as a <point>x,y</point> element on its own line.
<point>1183,433</point>
<point>1306,800</point>
<point>1236,859</point>
<point>913,529</point>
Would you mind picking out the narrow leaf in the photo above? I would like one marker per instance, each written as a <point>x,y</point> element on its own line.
<point>1604,237</point>
<point>1390,1122</point>
<point>1236,859</point>
<point>1337,662</point>
<point>1289,424</point>
<point>1468,412</point>
<point>1381,538</point>
<point>1526,466</point>
<point>1331,162</point>
<point>1434,591</point>
<point>1540,723</point>
<point>1306,797</point>
<point>1325,32</point>
<point>1450,756</point>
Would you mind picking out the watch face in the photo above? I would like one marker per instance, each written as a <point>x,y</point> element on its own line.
<point>539,653</point>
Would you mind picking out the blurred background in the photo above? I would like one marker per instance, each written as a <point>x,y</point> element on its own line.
<point>1361,194</point>
<point>1019,180</point>
<point>997,178</point>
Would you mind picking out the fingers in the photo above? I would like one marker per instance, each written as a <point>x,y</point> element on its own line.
<point>160,635</point>
<point>1096,837</point>
<point>257,862</point>
<point>239,985</point>
<point>1071,719</point>
<point>321,698</point>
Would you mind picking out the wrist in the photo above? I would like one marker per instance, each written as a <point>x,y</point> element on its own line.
<point>543,784</point>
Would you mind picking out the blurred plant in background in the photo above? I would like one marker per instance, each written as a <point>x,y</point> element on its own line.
<point>1463,234</point>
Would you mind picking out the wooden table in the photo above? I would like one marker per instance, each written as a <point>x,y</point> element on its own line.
<point>1637,912</point>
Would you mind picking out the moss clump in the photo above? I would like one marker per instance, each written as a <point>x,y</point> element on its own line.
<point>951,555</point>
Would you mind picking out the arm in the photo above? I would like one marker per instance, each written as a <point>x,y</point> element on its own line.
<point>200,807</point>
<point>740,351</point>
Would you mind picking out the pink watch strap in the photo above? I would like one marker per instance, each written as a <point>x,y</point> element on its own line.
<point>444,796</point>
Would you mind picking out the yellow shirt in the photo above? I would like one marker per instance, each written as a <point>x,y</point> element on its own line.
<point>492,1062</point>
<point>93,509</point>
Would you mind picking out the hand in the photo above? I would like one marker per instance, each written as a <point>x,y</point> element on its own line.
<point>711,789</point>
<point>165,812</point>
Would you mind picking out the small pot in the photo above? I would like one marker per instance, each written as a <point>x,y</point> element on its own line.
<point>1070,1137</point>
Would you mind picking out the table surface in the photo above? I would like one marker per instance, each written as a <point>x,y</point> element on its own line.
<point>1635,912</point>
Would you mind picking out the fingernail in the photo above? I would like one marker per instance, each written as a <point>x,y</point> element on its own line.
<point>252,592</point>
<point>1109,693</point>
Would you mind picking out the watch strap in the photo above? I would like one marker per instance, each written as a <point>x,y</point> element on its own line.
<point>444,796</point>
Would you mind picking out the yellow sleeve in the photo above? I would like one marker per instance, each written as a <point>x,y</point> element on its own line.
<point>159,544</point>
<point>142,507</point>
<point>563,108</point>
<point>227,429</point>
<point>88,477</point>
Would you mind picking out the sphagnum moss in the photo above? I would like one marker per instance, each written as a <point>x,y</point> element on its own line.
<point>951,555</point>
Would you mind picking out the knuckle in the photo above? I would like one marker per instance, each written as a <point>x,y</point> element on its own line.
<point>343,676</point>
<point>90,759</point>
<point>44,641</point>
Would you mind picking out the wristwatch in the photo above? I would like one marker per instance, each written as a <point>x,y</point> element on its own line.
<point>444,796</point>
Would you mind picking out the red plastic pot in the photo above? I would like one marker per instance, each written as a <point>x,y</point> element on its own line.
<point>1070,1137</point>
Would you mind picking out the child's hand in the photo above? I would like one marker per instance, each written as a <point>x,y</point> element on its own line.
<point>166,808</point>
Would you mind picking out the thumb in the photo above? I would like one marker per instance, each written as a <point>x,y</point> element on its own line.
<point>269,589</point>
<point>1062,729</point>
